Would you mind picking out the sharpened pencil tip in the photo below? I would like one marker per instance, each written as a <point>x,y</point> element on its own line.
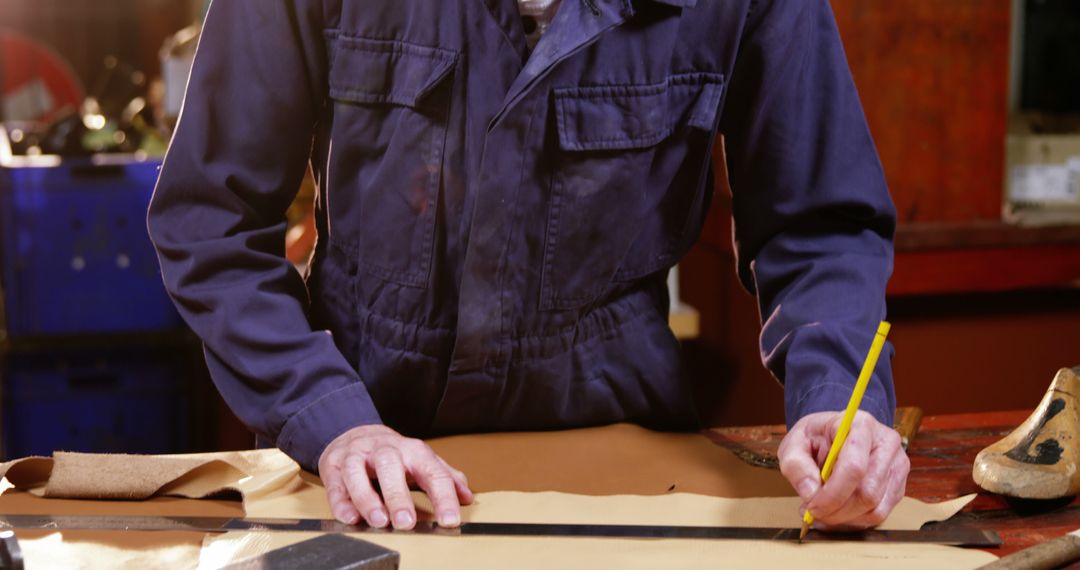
<point>802,533</point>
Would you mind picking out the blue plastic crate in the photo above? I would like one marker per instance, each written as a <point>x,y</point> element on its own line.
<point>103,402</point>
<point>74,250</point>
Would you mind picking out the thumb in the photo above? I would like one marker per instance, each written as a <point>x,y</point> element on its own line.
<point>798,466</point>
<point>807,485</point>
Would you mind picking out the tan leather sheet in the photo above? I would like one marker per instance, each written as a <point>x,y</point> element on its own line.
<point>673,509</point>
<point>545,553</point>
<point>620,459</point>
<point>615,474</point>
<point>181,550</point>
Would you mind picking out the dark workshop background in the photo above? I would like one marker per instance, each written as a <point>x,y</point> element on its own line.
<point>985,298</point>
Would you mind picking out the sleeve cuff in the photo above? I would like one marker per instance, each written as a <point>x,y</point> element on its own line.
<point>833,396</point>
<point>307,433</point>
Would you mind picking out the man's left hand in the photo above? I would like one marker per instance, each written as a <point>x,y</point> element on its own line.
<point>867,481</point>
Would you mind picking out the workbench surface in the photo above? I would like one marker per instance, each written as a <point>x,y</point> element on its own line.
<point>941,458</point>
<point>941,454</point>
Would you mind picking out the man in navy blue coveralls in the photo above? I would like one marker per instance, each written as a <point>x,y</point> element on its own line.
<point>496,223</point>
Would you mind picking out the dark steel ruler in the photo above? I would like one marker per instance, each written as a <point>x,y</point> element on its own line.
<point>947,536</point>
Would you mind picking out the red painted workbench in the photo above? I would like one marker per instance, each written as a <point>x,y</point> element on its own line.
<point>941,457</point>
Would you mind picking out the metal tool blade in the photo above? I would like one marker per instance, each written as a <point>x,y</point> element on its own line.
<point>953,537</point>
<point>11,557</point>
<point>328,552</point>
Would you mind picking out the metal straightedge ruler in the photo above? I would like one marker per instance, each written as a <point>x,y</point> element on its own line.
<point>947,536</point>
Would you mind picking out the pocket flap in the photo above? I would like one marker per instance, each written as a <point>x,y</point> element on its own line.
<point>385,71</point>
<point>618,117</point>
<point>611,117</point>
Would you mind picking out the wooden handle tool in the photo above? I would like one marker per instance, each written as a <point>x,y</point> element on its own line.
<point>907,424</point>
<point>1050,554</point>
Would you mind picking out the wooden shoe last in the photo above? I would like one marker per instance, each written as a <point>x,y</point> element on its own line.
<point>1039,459</point>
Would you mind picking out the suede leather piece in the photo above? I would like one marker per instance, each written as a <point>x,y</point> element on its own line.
<point>252,474</point>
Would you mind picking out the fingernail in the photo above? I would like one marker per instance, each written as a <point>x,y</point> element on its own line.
<point>807,488</point>
<point>449,519</point>
<point>378,518</point>
<point>402,519</point>
<point>345,517</point>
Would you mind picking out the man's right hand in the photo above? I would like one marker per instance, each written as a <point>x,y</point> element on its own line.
<point>375,452</point>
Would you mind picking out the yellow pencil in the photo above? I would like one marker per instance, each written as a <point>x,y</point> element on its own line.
<point>849,414</point>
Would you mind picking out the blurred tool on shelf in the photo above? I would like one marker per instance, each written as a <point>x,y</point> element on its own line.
<point>36,84</point>
<point>177,56</point>
<point>45,111</point>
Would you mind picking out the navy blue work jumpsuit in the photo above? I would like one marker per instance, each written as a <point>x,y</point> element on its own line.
<point>495,224</point>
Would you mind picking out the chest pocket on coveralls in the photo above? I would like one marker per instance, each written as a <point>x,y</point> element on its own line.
<point>628,172</point>
<point>391,102</point>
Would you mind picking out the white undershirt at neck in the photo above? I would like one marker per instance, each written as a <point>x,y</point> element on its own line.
<point>540,12</point>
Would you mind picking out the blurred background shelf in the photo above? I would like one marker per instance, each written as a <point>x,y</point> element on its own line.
<point>981,256</point>
<point>979,234</point>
